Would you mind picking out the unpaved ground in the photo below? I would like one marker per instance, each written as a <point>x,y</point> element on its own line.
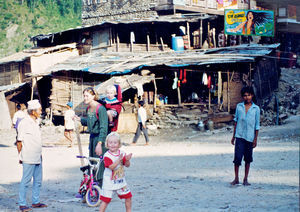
<point>182,170</point>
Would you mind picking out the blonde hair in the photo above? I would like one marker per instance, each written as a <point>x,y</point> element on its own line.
<point>111,88</point>
<point>113,134</point>
<point>91,91</point>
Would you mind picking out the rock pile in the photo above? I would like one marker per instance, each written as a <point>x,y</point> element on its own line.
<point>285,101</point>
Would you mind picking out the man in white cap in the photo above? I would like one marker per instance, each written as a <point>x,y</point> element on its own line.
<point>29,145</point>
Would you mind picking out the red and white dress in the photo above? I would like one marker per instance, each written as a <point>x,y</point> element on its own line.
<point>114,180</point>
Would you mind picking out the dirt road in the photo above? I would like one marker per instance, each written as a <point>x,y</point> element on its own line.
<point>182,170</point>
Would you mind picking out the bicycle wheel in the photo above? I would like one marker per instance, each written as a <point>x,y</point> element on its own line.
<point>93,199</point>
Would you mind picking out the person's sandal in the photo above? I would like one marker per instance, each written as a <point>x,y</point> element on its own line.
<point>25,209</point>
<point>39,205</point>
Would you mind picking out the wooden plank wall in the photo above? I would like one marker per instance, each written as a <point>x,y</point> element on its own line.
<point>65,89</point>
<point>235,87</point>
<point>9,74</point>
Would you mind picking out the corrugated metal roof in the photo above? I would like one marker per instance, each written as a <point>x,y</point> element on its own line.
<point>125,62</point>
<point>157,19</point>
<point>11,87</point>
<point>21,56</point>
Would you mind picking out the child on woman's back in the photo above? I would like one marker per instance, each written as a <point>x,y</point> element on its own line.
<point>114,176</point>
<point>112,104</point>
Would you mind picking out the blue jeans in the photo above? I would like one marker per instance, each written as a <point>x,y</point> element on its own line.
<point>31,171</point>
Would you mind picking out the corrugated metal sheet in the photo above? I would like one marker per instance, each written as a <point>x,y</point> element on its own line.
<point>158,19</point>
<point>125,62</point>
<point>21,56</point>
<point>11,87</point>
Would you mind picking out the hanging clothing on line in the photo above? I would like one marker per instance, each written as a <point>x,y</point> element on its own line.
<point>175,81</point>
<point>184,77</point>
<point>204,79</point>
<point>209,81</point>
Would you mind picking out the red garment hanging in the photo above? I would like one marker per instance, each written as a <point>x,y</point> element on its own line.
<point>180,75</point>
<point>184,76</point>
<point>209,81</point>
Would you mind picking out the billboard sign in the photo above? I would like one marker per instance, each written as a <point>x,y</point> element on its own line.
<point>249,22</point>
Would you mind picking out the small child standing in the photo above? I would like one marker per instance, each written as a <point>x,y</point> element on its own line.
<point>114,176</point>
<point>69,123</point>
<point>112,104</point>
<point>247,118</point>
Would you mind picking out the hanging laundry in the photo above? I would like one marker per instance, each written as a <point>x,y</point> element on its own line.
<point>184,77</point>
<point>175,81</point>
<point>140,89</point>
<point>132,37</point>
<point>204,79</point>
<point>209,81</point>
<point>180,75</point>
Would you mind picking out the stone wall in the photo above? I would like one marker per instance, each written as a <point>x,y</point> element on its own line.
<point>96,11</point>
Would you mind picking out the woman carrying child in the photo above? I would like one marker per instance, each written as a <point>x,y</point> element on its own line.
<point>97,122</point>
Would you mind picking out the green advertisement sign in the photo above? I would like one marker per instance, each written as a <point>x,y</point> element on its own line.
<point>249,22</point>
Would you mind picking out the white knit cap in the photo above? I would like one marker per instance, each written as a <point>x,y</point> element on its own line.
<point>33,104</point>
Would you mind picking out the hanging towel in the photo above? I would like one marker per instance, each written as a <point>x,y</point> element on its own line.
<point>204,79</point>
<point>132,37</point>
<point>175,81</point>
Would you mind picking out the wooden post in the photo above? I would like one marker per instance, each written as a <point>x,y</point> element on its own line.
<point>201,32</point>
<point>131,43</point>
<point>209,99</point>
<point>155,92</point>
<point>148,43</point>
<point>188,34</point>
<point>259,82</point>
<point>79,142</point>
<point>178,91</point>
<point>208,37</point>
<point>110,37</point>
<point>214,37</point>
<point>228,96</point>
<point>118,43</point>
<point>162,44</point>
<point>51,116</point>
<point>250,76</point>
<point>219,87</point>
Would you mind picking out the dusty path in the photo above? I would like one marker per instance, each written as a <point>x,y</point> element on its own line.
<point>178,172</point>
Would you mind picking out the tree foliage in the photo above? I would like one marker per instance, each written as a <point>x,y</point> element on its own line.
<point>21,18</point>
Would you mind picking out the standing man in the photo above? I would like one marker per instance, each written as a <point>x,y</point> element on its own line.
<point>18,116</point>
<point>142,118</point>
<point>247,118</point>
<point>69,123</point>
<point>29,145</point>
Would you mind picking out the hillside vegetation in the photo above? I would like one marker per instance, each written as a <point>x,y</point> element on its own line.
<point>22,19</point>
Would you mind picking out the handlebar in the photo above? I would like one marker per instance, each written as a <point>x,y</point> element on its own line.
<point>91,158</point>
